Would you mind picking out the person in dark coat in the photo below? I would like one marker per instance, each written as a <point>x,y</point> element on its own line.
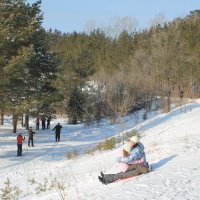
<point>20,140</point>
<point>30,136</point>
<point>57,129</point>
<point>48,122</point>
<point>43,123</point>
<point>37,123</point>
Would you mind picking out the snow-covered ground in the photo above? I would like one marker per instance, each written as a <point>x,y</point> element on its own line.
<point>172,146</point>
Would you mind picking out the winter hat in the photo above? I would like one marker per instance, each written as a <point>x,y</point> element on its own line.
<point>127,147</point>
<point>134,139</point>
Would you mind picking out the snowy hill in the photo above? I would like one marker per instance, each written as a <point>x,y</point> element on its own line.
<point>172,146</point>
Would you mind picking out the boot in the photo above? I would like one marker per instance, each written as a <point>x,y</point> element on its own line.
<point>101,179</point>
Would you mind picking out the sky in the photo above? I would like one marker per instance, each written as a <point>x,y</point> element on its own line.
<point>75,15</point>
<point>172,147</point>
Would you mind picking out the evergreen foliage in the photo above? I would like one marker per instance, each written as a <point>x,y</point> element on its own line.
<point>154,62</point>
<point>27,67</point>
<point>93,75</point>
<point>75,106</point>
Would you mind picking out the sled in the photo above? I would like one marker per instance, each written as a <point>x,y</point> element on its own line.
<point>123,179</point>
<point>132,177</point>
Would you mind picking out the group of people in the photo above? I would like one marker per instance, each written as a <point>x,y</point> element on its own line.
<point>31,132</point>
<point>21,138</point>
<point>132,158</point>
<point>132,162</point>
<point>43,120</point>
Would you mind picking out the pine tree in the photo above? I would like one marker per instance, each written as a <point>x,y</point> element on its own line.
<point>26,65</point>
<point>75,106</point>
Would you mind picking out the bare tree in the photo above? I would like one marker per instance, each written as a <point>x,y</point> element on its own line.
<point>159,19</point>
<point>114,26</point>
<point>120,97</point>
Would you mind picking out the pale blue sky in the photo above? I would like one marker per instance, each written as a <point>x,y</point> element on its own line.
<point>73,15</point>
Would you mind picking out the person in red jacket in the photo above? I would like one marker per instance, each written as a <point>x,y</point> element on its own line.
<point>20,140</point>
<point>37,123</point>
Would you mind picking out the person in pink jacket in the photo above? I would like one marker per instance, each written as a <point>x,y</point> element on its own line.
<point>125,152</point>
<point>132,162</point>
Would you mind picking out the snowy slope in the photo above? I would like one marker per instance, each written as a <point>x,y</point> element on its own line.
<point>172,145</point>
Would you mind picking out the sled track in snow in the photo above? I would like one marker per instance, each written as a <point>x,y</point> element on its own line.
<point>36,156</point>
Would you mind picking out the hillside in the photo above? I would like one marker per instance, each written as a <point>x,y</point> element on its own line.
<point>172,146</point>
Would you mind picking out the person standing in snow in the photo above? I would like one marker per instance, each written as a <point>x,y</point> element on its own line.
<point>43,123</point>
<point>181,94</point>
<point>30,136</point>
<point>20,140</point>
<point>48,122</point>
<point>37,123</point>
<point>57,129</point>
<point>135,162</point>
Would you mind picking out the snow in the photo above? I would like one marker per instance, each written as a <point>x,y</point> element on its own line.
<point>172,146</point>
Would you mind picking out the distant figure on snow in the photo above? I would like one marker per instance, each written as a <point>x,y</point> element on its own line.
<point>43,123</point>
<point>133,161</point>
<point>30,136</point>
<point>57,129</point>
<point>20,140</point>
<point>37,123</point>
<point>181,94</point>
<point>48,122</point>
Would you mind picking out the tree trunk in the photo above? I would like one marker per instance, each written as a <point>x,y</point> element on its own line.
<point>15,119</point>
<point>2,116</point>
<point>27,121</point>
<point>168,95</point>
<point>168,101</point>
<point>22,122</point>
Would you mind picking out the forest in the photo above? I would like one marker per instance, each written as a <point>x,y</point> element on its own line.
<point>89,76</point>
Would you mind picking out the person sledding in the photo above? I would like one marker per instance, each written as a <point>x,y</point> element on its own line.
<point>133,163</point>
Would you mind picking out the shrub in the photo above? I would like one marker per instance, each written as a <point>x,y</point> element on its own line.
<point>131,134</point>
<point>71,155</point>
<point>42,187</point>
<point>9,192</point>
<point>32,181</point>
<point>107,144</point>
